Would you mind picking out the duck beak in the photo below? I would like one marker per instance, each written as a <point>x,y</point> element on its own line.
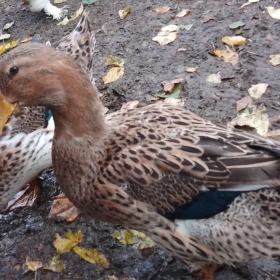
<point>6,110</point>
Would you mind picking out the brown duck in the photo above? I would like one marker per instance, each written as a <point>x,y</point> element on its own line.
<point>205,193</point>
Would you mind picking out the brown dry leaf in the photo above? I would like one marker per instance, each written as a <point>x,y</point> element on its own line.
<point>167,34</point>
<point>162,10</point>
<point>275,59</point>
<point>253,117</point>
<point>64,245</point>
<point>256,91</point>
<point>24,198</point>
<point>130,105</point>
<point>168,86</point>
<point>32,265</point>
<point>275,134</point>
<point>274,13</point>
<point>55,265</point>
<point>243,103</point>
<point>63,209</point>
<point>92,256</point>
<point>183,13</point>
<point>214,78</point>
<point>124,13</point>
<point>234,40</point>
<point>113,75</point>
<point>227,55</point>
<point>26,40</point>
<point>134,238</point>
<point>5,47</point>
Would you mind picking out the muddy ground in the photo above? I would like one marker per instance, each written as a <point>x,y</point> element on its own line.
<point>29,232</point>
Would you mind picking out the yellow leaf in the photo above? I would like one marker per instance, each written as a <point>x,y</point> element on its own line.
<point>26,40</point>
<point>228,55</point>
<point>55,265</point>
<point>64,21</point>
<point>59,1</point>
<point>234,40</point>
<point>5,47</point>
<point>137,239</point>
<point>214,78</point>
<point>113,75</point>
<point>191,69</point>
<point>64,245</point>
<point>256,91</point>
<point>254,117</point>
<point>124,13</point>
<point>31,265</point>
<point>162,10</point>
<point>77,13</point>
<point>6,110</point>
<point>273,12</point>
<point>114,60</point>
<point>167,34</point>
<point>92,256</point>
<point>182,13</point>
<point>275,59</point>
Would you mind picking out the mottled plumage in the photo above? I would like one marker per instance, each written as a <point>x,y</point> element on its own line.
<point>26,140</point>
<point>138,167</point>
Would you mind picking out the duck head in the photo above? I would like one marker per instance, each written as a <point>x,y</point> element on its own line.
<point>39,75</point>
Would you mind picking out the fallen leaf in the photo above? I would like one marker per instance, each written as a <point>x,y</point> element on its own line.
<point>88,2</point>
<point>8,25</point>
<point>4,48</point>
<point>236,25</point>
<point>26,40</point>
<point>275,59</point>
<point>130,105</point>
<point>274,13</point>
<point>135,238</point>
<point>249,3</point>
<point>167,34</point>
<point>275,134</point>
<point>113,75</point>
<point>176,92</point>
<point>63,209</point>
<point>191,69</point>
<point>234,40</point>
<point>174,102</point>
<point>5,36</point>
<point>182,13</point>
<point>206,19</point>
<point>59,1</point>
<point>186,27</point>
<point>214,78</point>
<point>55,265</point>
<point>256,91</point>
<point>243,103</point>
<point>124,13</point>
<point>227,55</point>
<point>114,60</point>
<point>162,10</point>
<point>64,21</point>
<point>168,86</point>
<point>24,198</point>
<point>64,245</point>
<point>253,117</point>
<point>32,265</point>
<point>92,256</point>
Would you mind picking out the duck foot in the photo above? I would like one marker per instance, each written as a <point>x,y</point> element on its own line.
<point>26,197</point>
<point>207,272</point>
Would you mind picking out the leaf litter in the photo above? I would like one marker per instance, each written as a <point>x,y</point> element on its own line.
<point>124,13</point>
<point>275,59</point>
<point>234,41</point>
<point>183,13</point>
<point>167,34</point>
<point>227,55</point>
<point>256,91</point>
<point>55,265</point>
<point>162,10</point>
<point>116,72</point>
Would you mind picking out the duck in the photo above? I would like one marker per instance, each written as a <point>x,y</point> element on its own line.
<point>51,10</point>
<point>206,193</point>
<point>26,138</point>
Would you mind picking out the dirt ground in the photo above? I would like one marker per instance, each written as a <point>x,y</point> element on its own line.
<point>29,232</point>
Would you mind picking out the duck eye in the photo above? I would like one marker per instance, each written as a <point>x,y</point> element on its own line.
<point>14,70</point>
